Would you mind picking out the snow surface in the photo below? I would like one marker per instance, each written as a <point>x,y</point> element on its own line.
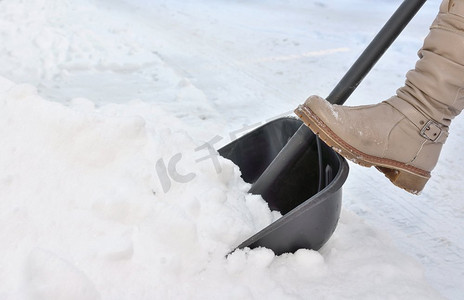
<point>100,98</point>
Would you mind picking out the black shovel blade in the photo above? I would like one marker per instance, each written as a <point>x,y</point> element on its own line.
<point>308,196</point>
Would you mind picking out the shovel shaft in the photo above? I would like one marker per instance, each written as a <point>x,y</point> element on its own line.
<point>297,145</point>
<point>381,42</point>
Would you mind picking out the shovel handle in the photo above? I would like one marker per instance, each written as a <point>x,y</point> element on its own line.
<point>381,42</point>
<point>301,140</point>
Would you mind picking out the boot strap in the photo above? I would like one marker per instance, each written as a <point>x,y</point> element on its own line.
<point>428,128</point>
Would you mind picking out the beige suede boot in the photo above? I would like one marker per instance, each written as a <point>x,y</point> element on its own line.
<point>403,135</point>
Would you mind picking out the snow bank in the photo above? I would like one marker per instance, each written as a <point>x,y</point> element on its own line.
<point>85,215</point>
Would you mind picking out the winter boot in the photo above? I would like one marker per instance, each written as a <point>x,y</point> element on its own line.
<point>403,135</point>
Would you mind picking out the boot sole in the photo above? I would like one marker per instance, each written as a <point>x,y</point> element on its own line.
<point>407,177</point>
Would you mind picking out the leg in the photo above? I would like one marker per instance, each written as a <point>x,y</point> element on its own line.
<point>403,136</point>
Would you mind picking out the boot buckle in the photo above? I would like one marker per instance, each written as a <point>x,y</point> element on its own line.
<point>432,131</point>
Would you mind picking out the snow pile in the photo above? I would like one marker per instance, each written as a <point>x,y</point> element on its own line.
<point>85,215</point>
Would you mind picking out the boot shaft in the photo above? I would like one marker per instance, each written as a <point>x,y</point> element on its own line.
<point>436,86</point>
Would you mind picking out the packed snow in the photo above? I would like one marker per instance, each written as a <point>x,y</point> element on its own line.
<point>100,99</point>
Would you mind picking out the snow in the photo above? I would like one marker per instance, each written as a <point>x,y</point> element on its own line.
<point>106,187</point>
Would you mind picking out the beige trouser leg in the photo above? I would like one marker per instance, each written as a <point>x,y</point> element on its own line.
<point>403,136</point>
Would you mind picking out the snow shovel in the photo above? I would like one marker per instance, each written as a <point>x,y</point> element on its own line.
<point>297,174</point>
